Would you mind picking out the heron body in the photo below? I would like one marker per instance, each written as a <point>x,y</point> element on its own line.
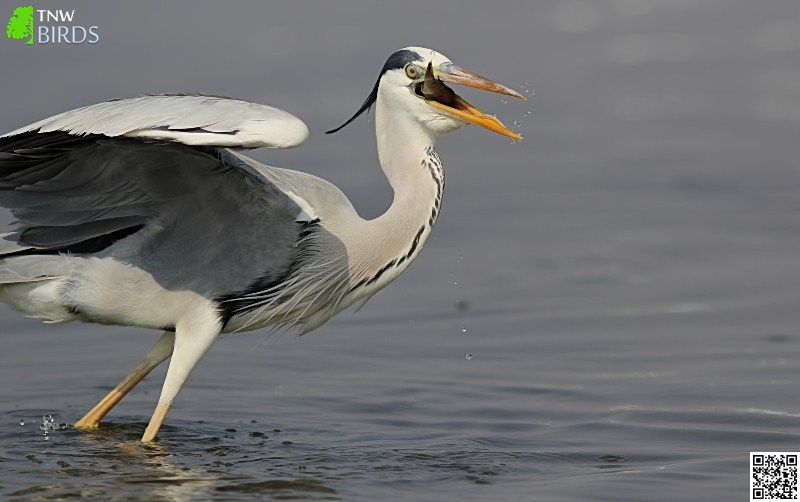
<point>135,212</point>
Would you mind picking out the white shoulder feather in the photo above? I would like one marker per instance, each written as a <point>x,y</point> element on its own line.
<point>194,120</point>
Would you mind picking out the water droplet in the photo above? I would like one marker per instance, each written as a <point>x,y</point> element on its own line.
<point>48,424</point>
<point>504,101</point>
<point>21,422</point>
<point>469,356</point>
<point>516,123</point>
<point>461,257</point>
<point>455,283</point>
<point>463,330</point>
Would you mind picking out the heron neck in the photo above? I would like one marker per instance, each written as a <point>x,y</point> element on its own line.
<point>406,154</point>
<point>402,149</point>
<point>385,246</point>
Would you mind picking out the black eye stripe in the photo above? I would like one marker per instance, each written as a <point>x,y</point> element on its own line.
<point>396,61</point>
<point>400,59</point>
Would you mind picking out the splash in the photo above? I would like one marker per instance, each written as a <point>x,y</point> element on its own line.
<point>48,426</point>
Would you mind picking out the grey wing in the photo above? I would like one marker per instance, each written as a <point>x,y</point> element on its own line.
<point>85,181</point>
<point>189,119</point>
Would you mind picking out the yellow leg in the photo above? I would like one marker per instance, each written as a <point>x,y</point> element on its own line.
<point>193,337</point>
<point>155,422</point>
<point>157,355</point>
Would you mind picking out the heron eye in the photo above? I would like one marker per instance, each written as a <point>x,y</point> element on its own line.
<point>411,71</point>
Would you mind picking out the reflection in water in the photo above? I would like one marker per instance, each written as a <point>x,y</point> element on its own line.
<point>194,461</point>
<point>112,462</point>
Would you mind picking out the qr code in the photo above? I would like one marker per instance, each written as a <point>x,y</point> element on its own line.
<point>773,475</point>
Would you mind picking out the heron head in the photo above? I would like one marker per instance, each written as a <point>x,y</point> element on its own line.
<point>413,81</point>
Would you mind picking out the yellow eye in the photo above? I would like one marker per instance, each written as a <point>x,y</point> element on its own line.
<point>411,71</point>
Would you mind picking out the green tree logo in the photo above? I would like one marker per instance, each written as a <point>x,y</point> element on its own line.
<point>20,26</point>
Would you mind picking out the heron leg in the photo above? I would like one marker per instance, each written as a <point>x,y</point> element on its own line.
<point>193,339</point>
<point>157,355</point>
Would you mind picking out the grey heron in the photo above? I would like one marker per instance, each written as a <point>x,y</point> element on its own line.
<point>136,212</point>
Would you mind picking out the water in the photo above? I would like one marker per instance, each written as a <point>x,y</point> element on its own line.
<point>628,276</point>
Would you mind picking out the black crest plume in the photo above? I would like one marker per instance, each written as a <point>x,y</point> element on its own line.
<point>397,60</point>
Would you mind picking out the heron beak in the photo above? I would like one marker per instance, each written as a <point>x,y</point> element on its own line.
<point>444,99</point>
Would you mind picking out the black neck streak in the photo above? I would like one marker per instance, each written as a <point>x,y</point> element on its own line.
<point>433,165</point>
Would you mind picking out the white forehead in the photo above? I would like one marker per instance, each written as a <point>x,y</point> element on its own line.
<point>431,55</point>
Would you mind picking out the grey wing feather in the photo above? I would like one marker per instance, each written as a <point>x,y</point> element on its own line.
<point>9,243</point>
<point>69,234</point>
<point>105,168</point>
<point>64,192</point>
<point>188,119</point>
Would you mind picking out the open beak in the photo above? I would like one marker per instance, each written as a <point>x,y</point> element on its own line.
<point>442,98</point>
